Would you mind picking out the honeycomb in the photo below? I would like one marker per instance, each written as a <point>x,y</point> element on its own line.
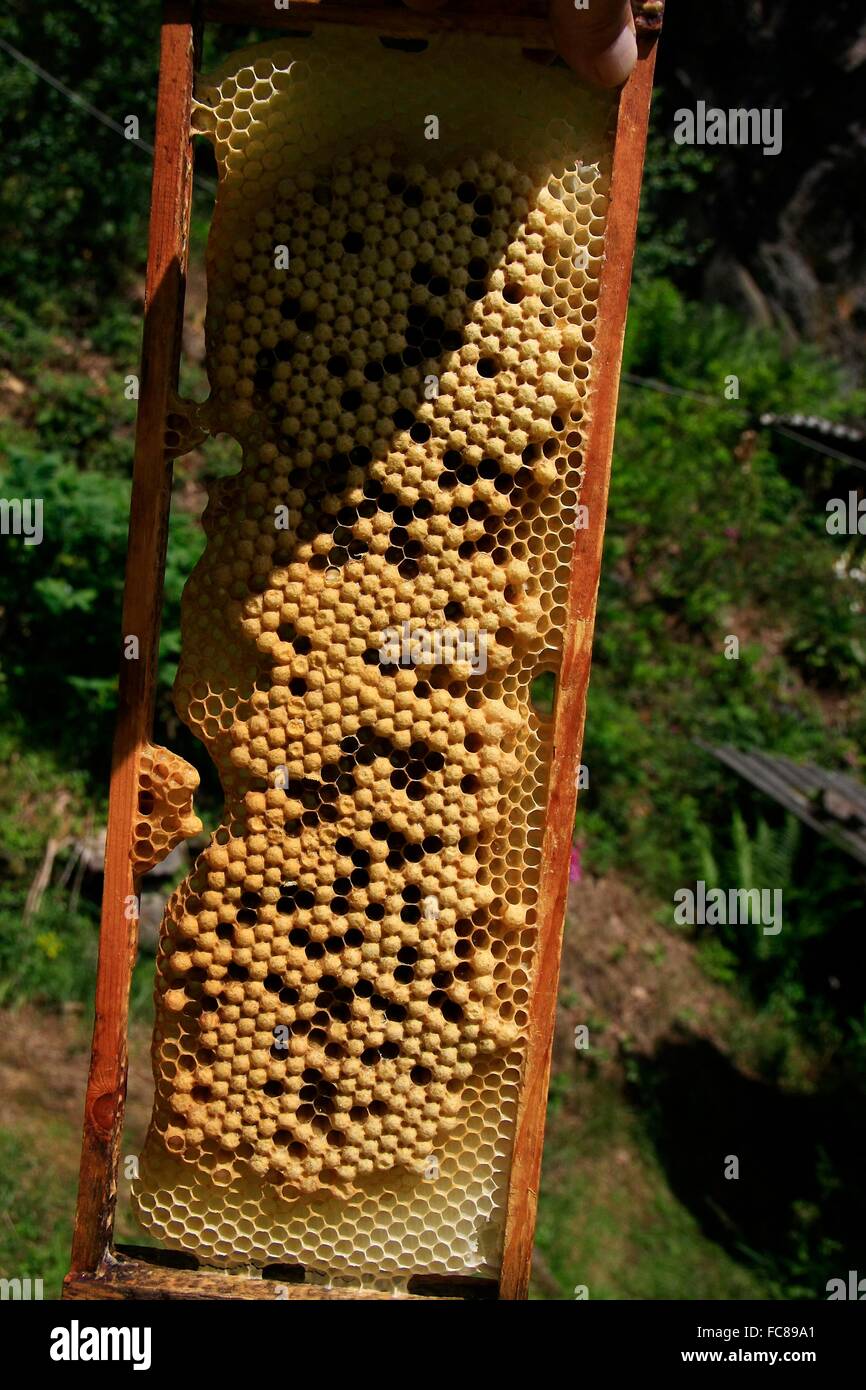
<point>403,273</point>
<point>166,785</point>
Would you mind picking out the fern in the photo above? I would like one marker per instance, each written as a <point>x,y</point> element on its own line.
<point>762,860</point>
<point>709,870</point>
<point>743,857</point>
<point>779,850</point>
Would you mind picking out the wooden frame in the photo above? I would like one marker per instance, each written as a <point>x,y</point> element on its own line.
<point>98,1270</point>
<point>142,609</point>
<point>573,681</point>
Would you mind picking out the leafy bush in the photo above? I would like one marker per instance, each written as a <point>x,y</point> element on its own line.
<point>706,537</point>
<point>74,193</point>
<point>52,958</point>
<point>674,177</point>
<point>61,604</point>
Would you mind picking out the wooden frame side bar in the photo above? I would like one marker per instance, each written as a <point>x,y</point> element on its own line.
<point>142,608</point>
<point>570,713</point>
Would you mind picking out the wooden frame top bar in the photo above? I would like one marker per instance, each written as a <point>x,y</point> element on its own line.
<point>523,19</point>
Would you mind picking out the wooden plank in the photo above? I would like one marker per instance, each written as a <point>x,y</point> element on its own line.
<point>783,781</point>
<point>522,19</point>
<point>121,1278</point>
<point>142,607</point>
<point>166,1284</point>
<point>806,775</point>
<point>570,712</point>
<point>846,786</point>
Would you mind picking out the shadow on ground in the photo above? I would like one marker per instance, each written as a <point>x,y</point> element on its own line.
<point>798,1202</point>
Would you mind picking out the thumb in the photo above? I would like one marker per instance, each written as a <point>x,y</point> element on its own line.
<point>598,41</point>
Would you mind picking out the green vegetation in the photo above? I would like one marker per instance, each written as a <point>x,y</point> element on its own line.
<point>35,1215</point>
<point>712,534</point>
<point>62,602</point>
<point>81,184</point>
<point>709,534</point>
<point>608,1219</point>
<point>52,956</point>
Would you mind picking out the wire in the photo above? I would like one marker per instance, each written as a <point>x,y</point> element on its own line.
<point>72,96</point>
<point>648,383</point>
<point>87,106</point>
<point>652,385</point>
<point>820,448</point>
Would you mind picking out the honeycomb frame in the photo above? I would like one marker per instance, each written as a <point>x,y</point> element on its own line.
<point>542,478</point>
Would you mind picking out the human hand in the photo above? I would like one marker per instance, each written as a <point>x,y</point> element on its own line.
<point>597,42</point>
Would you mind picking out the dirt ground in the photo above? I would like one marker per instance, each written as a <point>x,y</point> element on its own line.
<point>635,978</point>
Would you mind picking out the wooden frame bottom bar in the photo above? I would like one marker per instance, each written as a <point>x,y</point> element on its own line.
<point>136,1274</point>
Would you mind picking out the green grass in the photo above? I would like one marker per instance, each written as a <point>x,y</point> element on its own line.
<point>607,1218</point>
<point>36,1209</point>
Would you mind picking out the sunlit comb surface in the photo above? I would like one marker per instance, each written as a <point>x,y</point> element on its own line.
<point>400,334</point>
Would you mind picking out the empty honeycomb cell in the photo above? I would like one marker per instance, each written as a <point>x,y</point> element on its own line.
<point>397,336</point>
<point>166,786</point>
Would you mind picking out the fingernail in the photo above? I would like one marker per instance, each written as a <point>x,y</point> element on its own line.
<point>613,66</point>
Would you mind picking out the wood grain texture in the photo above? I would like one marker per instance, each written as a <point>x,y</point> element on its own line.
<point>145,1284</point>
<point>142,607</point>
<point>570,712</point>
<point>122,1278</point>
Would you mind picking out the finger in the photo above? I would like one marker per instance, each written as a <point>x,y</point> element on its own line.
<point>598,42</point>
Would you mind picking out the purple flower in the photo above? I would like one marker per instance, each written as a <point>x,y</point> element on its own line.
<point>574,870</point>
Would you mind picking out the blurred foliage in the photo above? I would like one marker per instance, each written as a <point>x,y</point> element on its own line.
<point>51,957</point>
<point>35,1211</point>
<point>83,185</point>
<point>674,176</point>
<point>706,538</point>
<point>60,603</point>
<point>709,536</point>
